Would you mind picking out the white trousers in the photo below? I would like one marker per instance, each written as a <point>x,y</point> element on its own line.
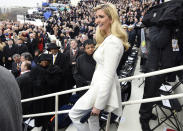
<point>76,115</point>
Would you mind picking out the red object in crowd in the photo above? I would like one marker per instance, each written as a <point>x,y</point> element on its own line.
<point>9,36</point>
<point>40,44</point>
<point>170,130</point>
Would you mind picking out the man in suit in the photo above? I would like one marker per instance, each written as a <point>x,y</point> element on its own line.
<point>16,65</point>
<point>25,85</point>
<point>10,107</point>
<point>21,47</point>
<point>73,53</point>
<point>32,44</point>
<point>8,51</point>
<point>59,59</point>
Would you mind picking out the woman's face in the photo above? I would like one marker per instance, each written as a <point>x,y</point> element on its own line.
<point>44,63</point>
<point>103,21</point>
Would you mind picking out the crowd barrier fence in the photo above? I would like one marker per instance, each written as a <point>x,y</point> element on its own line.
<point>56,95</point>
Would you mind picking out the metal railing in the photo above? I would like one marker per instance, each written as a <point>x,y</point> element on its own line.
<point>87,87</point>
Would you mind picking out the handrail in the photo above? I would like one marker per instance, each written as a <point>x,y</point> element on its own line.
<point>164,71</point>
<point>154,99</point>
<point>54,94</point>
<point>154,73</point>
<point>168,70</point>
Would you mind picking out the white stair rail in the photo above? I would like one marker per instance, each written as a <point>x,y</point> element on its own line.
<point>168,70</point>
<point>56,113</point>
<point>164,71</point>
<point>54,94</point>
<point>154,73</point>
<point>154,99</point>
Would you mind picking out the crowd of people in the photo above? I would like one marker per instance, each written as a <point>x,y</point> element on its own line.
<point>42,67</point>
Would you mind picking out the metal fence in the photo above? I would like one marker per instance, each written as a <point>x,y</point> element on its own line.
<point>123,103</point>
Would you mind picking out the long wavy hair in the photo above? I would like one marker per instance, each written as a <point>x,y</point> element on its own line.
<point>116,27</point>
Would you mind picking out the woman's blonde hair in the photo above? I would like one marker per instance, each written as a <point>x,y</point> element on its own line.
<point>116,27</point>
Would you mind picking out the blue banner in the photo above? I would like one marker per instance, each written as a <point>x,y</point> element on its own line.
<point>47,15</point>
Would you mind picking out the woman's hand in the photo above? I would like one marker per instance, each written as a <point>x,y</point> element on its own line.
<point>95,112</point>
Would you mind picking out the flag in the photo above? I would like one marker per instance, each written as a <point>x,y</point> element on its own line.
<point>47,15</point>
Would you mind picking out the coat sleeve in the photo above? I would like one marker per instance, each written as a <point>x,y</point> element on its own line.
<point>113,51</point>
<point>80,80</point>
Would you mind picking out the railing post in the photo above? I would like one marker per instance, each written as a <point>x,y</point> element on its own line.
<point>108,122</point>
<point>56,113</point>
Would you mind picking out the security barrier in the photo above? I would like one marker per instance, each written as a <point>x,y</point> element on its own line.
<point>164,71</point>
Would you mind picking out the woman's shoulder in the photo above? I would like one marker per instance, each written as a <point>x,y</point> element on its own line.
<point>114,40</point>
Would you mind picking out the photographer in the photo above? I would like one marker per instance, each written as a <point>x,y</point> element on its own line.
<point>161,48</point>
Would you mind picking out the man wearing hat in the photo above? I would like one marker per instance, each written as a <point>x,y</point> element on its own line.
<point>58,58</point>
<point>62,62</point>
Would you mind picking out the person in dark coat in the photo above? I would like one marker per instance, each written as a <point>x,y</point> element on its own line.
<point>8,51</point>
<point>72,54</point>
<point>131,35</point>
<point>160,50</point>
<point>36,56</point>
<point>2,45</point>
<point>46,79</point>
<point>32,44</point>
<point>38,76</point>
<point>21,47</point>
<point>10,107</point>
<point>85,66</point>
<point>76,29</point>
<point>25,85</point>
<point>16,65</point>
<point>2,37</point>
<point>59,59</point>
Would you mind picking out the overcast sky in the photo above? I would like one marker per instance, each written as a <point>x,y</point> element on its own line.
<point>25,3</point>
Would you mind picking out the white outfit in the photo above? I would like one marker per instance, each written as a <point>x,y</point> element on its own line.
<point>104,92</point>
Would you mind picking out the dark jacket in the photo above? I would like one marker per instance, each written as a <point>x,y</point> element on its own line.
<point>160,51</point>
<point>1,58</point>
<point>9,52</point>
<point>15,70</point>
<point>26,89</point>
<point>61,61</point>
<point>45,81</point>
<point>32,45</point>
<point>10,107</point>
<point>21,48</point>
<point>83,73</point>
<point>72,58</point>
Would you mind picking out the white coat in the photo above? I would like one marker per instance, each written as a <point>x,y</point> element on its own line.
<point>104,92</point>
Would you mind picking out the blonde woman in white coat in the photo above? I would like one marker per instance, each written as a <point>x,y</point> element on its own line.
<point>104,92</point>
